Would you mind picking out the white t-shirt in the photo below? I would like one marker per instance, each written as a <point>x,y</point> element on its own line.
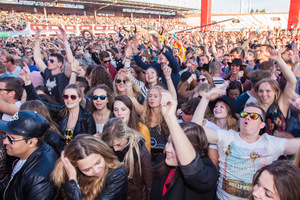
<point>213,126</point>
<point>6,117</point>
<point>239,160</point>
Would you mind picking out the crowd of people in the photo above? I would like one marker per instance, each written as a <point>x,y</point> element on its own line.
<point>17,20</point>
<point>133,115</point>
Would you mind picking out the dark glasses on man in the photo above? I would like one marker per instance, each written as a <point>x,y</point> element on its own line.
<point>102,97</point>
<point>106,61</point>
<point>3,89</point>
<point>119,81</point>
<point>51,60</point>
<point>69,135</point>
<point>254,116</point>
<point>66,97</point>
<point>11,139</point>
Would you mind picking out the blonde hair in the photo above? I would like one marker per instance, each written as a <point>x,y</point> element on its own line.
<point>79,148</point>
<point>146,115</point>
<point>116,128</point>
<point>136,89</point>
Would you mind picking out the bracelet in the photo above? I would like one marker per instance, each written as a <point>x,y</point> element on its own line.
<point>162,50</point>
<point>74,72</point>
<point>128,84</point>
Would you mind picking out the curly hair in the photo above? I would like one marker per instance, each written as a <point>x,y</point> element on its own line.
<point>100,75</point>
<point>147,114</point>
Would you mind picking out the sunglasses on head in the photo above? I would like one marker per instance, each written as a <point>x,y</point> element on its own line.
<point>102,97</point>
<point>11,139</point>
<point>254,116</point>
<point>51,60</point>
<point>106,61</point>
<point>69,135</point>
<point>119,81</point>
<point>66,97</point>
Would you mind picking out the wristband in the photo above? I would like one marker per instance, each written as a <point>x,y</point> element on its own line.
<point>162,50</point>
<point>74,72</point>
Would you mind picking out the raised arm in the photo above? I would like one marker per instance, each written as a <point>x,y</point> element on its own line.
<point>167,72</point>
<point>184,149</point>
<point>70,58</point>
<point>37,51</point>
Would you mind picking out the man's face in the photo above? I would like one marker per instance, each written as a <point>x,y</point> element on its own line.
<point>199,51</point>
<point>19,149</point>
<point>249,126</point>
<point>53,63</point>
<point>4,95</point>
<point>261,53</point>
<point>28,52</point>
<point>105,62</point>
<point>203,60</point>
<point>234,55</point>
<point>226,59</point>
<point>162,58</point>
<point>220,52</point>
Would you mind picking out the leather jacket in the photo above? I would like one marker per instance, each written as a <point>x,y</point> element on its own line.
<point>85,122</point>
<point>115,187</point>
<point>139,186</point>
<point>33,180</point>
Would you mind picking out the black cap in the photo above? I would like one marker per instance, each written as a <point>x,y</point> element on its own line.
<point>237,61</point>
<point>204,67</point>
<point>185,76</point>
<point>226,99</point>
<point>26,123</point>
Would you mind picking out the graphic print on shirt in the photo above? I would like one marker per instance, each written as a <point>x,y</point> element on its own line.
<point>50,85</point>
<point>240,166</point>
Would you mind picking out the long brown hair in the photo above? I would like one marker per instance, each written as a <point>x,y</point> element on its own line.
<point>64,112</point>
<point>91,107</point>
<point>134,119</point>
<point>286,179</point>
<point>100,75</point>
<point>274,85</point>
<point>79,148</point>
<point>39,107</point>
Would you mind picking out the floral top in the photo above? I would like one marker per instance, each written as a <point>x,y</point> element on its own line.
<point>275,120</point>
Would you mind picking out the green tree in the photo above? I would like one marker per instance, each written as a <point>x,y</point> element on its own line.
<point>252,10</point>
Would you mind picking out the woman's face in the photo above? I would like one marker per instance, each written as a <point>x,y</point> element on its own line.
<point>133,72</point>
<point>171,156</point>
<point>81,72</point>
<point>71,98</point>
<point>92,165</point>
<point>233,93</point>
<point>151,76</point>
<point>266,93</point>
<point>202,79</point>
<point>119,144</point>
<point>154,98</point>
<point>235,69</point>
<point>220,110</point>
<point>249,56</point>
<point>121,84</point>
<point>99,103</point>
<point>265,188</point>
<point>121,111</point>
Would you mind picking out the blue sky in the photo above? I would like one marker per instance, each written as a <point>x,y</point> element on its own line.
<point>233,6</point>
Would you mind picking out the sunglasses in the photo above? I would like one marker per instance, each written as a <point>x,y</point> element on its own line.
<point>106,61</point>
<point>66,97</point>
<point>28,51</point>
<point>254,116</point>
<point>202,79</point>
<point>95,97</point>
<point>119,81</point>
<point>3,89</point>
<point>51,60</point>
<point>69,135</point>
<point>11,139</point>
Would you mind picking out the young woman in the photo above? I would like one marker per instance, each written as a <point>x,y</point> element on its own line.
<point>124,109</point>
<point>224,117</point>
<point>53,137</point>
<point>237,71</point>
<point>234,89</point>
<point>206,78</point>
<point>272,100</point>
<point>119,86</point>
<point>100,105</point>
<point>185,172</point>
<point>278,181</point>
<point>130,150</point>
<point>88,169</point>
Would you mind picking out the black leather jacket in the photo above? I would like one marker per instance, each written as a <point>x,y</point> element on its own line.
<point>85,122</point>
<point>33,180</point>
<point>115,187</point>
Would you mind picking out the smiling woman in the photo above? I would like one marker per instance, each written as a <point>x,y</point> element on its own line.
<point>102,175</point>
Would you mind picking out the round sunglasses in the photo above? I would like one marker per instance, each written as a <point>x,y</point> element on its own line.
<point>119,81</point>
<point>95,97</point>
<point>66,97</point>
